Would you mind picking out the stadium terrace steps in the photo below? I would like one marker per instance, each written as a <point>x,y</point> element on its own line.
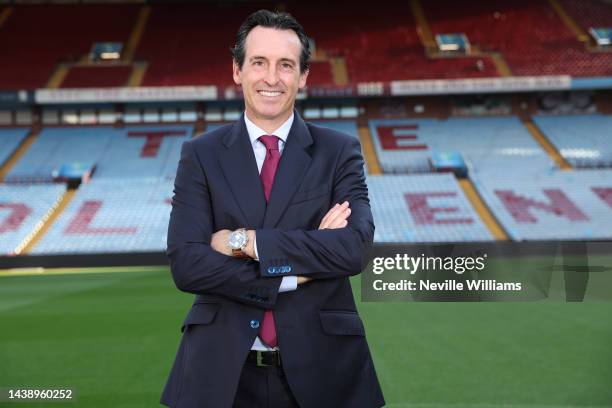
<point>588,13</point>
<point>423,208</point>
<point>5,12</point>
<point>483,211</point>
<point>570,205</point>
<point>136,35</point>
<point>16,144</point>
<point>22,209</point>
<point>109,215</point>
<point>45,223</point>
<point>58,75</point>
<point>569,21</point>
<point>369,151</point>
<point>139,69</point>
<point>423,28</point>
<point>548,147</point>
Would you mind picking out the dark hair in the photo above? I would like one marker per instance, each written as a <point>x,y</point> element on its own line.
<point>279,20</point>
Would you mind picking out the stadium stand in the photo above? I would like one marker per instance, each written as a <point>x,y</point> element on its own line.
<point>381,43</point>
<point>423,208</point>
<point>22,207</point>
<point>583,140</point>
<point>491,144</point>
<point>9,140</point>
<point>551,206</point>
<point>48,34</point>
<point>530,35</point>
<point>135,151</point>
<point>112,215</point>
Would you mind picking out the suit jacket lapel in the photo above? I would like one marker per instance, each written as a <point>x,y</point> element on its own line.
<point>295,161</point>
<point>240,168</point>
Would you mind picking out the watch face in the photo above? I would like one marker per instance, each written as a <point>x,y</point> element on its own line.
<point>237,239</point>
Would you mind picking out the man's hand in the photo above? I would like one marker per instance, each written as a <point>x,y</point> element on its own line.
<point>218,242</point>
<point>336,217</point>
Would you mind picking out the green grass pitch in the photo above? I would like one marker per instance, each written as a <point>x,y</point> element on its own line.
<point>113,336</point>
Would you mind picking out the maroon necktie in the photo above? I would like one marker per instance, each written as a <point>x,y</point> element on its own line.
<point>267,331</point>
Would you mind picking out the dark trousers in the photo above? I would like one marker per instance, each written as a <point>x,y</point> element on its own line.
<point>263,387</point>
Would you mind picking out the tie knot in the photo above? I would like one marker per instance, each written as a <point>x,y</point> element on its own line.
<point>270,141</point>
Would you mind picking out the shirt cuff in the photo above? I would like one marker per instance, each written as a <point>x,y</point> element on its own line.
<point>255,247</point>
<point>288,284</point>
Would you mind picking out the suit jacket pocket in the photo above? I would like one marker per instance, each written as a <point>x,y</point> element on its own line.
<point>310,193</point>
<point>201,313</point>
<point>341,322</point>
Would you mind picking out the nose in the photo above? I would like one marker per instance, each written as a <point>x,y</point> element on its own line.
<point>272,75</point>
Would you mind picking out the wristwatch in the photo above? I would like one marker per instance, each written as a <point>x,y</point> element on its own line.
<point>237,241</point>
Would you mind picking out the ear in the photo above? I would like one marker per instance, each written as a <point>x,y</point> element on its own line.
<point>303,76</point>
<point>236,73</point>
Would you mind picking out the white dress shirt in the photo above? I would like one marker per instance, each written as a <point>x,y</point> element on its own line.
<point>288,283</point>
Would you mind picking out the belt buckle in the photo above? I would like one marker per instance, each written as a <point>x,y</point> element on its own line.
<point>259,360</point>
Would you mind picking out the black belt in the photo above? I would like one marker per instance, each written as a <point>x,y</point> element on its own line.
<point>264,358</point>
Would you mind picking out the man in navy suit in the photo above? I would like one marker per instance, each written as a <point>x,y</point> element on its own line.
<point>270,217</point>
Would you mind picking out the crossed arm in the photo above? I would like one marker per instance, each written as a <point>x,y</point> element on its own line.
<point>336,217</point>
<point>198,257</point>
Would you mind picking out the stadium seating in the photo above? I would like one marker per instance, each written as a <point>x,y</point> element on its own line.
<point>530,35</point>
<point>551,206</point>
<point>423,208</point>
<point>380,42</point>
<point>188,44</point>
<point>37,37</point>
<point>491,144</point>
<point>320,73</point>
<point>97,76</point>
<point>22,207</point>
<point>135,151</point>
<point>346,126</point>
<point>182,45</point>
<point>10,138</point>
<point>589,13</point>
<point>112,215</point>
<point>583,140</point>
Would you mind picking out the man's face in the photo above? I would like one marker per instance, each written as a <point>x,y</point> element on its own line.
<point>270,75</point>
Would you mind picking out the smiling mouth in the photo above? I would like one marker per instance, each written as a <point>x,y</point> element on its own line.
<point>271,94</point>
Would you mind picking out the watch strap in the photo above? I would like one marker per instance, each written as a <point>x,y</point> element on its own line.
<point>239,253</point>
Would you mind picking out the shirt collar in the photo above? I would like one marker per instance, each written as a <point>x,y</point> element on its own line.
<point>255,131</point>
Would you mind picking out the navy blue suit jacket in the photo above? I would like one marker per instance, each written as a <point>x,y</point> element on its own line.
<point>321,336</point>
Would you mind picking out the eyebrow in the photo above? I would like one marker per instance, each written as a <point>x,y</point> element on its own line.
<point>259,57</point>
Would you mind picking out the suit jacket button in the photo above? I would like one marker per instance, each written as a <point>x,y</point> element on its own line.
<point>254,324</point>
